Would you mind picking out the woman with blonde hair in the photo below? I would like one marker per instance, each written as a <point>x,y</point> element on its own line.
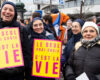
<point>86,57</point>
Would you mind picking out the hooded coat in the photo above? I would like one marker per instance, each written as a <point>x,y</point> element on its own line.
<point>31,36</point>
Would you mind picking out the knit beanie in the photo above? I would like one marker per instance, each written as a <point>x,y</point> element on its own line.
<point>88,24</point>
<point>11,3</point>
<point>37,18</point>
<point>34,19</point>
<point>80,21</point>
<point>54,11</point>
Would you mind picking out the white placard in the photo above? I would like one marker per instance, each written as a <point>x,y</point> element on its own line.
<point>83,76</point>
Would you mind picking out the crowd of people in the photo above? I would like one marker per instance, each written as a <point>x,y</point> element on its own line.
<point>80,38</point>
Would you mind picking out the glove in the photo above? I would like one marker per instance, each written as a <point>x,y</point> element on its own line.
<point>11,71</point>
<point>70,77</point>
<point>91,76</point>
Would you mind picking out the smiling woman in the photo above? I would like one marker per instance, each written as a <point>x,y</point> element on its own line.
<point>38,26</point>
<point>7,13</point>
<point>37,31</point>
<point>90,31</point>
<point>76,30</point>
<point>86,56</point>
<point>9,16</point>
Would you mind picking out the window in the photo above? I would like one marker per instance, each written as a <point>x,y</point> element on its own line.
<point>71,4</point>
<point>79,2</point>
<point>97,2</point>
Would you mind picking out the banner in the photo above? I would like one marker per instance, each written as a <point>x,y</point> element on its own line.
<point>46,58</point>
<point>10,48</point>
<point>56,25</point>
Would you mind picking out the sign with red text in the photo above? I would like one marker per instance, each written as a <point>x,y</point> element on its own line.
<point>10,48</point>
<point>46,58</point>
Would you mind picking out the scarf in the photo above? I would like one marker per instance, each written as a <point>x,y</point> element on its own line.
<point>76,37</point>
<point>90,43</point>
<point>37,35</point>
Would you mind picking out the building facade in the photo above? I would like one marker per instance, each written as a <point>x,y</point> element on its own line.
<point>86,7</point>
<point>29,4</point>
<point>73,7</point>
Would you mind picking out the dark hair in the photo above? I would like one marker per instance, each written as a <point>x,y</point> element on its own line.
<point>48,18</point>
<point>54,11</point>
<point>34,19</point>
<point>80,21</point>
<point>91,18</point>
<point>22,20</point>
<point>36,14</point>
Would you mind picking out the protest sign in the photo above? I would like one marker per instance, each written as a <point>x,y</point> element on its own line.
<point>10,48</point>
<point>46,58</point>
<point>82,76</point>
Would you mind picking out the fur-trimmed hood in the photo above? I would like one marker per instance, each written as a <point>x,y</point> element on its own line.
<point>79,44</point>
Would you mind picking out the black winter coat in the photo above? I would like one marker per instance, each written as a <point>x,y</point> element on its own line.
<point>9,73</point>
<point>84,60</point>
<point>33,35</point>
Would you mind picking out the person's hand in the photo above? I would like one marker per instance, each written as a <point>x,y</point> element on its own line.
<point>91,76</point>
<point>65,41</point>
<point>70,77</point>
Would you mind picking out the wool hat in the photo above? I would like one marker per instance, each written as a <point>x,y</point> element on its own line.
<point>80,21</point>
<point>34,19</point>
<point>11,3</point>
<point>37,18</point>
<point>54,11</point>
<point>88,24</point>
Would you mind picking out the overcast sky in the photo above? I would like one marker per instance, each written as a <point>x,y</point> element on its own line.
<point>29,5</point>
